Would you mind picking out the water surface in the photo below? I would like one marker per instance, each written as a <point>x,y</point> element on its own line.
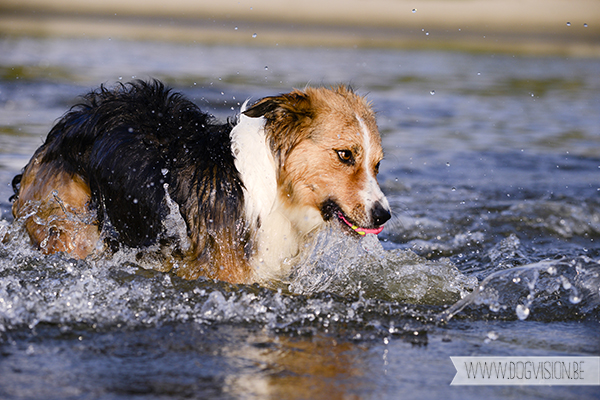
<point>492,166</point>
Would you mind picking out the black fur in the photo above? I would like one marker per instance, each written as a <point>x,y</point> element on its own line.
<point>129,141</point>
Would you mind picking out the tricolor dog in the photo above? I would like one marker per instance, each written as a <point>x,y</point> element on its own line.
<point>140,166</point>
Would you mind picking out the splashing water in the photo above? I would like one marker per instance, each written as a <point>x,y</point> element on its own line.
<point>554,289</point>
<point>125,289</point>
<point>349,266</point>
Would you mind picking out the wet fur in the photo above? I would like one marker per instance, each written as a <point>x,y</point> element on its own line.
<point>116,167</point>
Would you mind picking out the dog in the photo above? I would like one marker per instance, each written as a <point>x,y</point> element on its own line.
<point>140,166</point>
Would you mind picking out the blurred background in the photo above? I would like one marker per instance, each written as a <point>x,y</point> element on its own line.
<point>533,26</point>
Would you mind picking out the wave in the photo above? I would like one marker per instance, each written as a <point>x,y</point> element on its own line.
<point>338,283</point>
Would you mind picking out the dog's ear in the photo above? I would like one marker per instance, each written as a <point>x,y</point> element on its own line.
<point>288,119</point>
<point>262,107</point>
<point>295,105</point>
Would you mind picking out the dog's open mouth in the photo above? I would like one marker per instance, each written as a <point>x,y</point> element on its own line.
<point>330,210</point>
<point>359,230</point>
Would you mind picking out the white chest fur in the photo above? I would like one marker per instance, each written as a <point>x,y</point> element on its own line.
<point>276,236</point>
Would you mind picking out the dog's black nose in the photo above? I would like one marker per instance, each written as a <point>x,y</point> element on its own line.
<point>380,214</point>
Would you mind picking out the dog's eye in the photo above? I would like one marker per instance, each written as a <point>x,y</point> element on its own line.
<point>346,156</point>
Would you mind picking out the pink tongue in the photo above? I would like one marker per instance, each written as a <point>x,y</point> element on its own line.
<point>360,231</point>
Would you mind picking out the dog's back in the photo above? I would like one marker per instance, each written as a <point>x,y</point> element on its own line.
<point>118,162</point>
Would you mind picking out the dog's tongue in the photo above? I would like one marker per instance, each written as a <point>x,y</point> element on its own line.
<point>359,230</point>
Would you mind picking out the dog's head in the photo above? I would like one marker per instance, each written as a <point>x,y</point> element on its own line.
<point>327,148</point>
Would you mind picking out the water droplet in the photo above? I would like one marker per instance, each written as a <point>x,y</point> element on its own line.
<point>568,24</point>
<point>254,35</point>
<point>522,312</point>
<point>493,335</point>
<point>236,28</point>
<point>414,10</point>
<point>426,33</point>
<point>516,279</point>
<point>574,298</point>
<point>432,92</point>
<point>266,67</point>
<point>447,164</point>
<point>585,25</point>
<point>454,189</point>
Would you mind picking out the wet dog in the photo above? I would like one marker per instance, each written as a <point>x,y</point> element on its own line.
<point>139,165</point>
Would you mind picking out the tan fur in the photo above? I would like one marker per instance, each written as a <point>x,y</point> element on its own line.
<point>226,264</point>
<point>54,205</point>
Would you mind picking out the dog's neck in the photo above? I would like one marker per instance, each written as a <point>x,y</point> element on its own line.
<point>278,230</point>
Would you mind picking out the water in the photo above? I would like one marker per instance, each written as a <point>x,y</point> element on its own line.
<point>492,166</point>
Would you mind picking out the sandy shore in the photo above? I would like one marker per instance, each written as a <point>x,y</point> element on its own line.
<point>568,27</point>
